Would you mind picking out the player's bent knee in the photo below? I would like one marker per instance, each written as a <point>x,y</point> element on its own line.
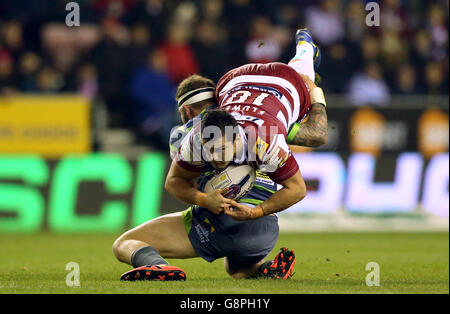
<point>117,249</point>
<point>124,246</point>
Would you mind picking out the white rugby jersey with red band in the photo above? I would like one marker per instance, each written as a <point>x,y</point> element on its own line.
<point>265,99</point>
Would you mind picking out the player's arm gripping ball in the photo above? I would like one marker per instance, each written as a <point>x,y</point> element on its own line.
<point>180,183</point>
<point>293,191</point>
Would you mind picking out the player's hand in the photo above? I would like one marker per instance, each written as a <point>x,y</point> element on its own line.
<point>216,203</point>
<point>243,212</point>
<point>316,93</point>
<point>311,85</point>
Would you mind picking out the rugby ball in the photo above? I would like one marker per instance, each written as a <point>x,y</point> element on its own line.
<point>239,180</point>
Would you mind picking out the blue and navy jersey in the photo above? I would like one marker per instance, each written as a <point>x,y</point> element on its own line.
<point>263,187</point>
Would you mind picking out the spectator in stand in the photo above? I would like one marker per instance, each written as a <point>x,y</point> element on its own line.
<point>116,9</point>
<point>338,66</point>
<point>49,80</point>
<point>395,18</point>
<point>393,50</point>
<point>289,14</point>
<point>113,64</point>
<point>326,22</point>
<point>434,79</point>
<point>30,64</point>
<point>153,94</point>
<point>262,46</point>
<point>13,39</point>
<point>370,50</point>
<point>141,44</point>
<point>185,15</point>
<point>8,79</point>
<point>421,51</point>
<point>212,11</point>
<point>438,31</point>
<point>211,48</point>
<point>369,88</point>
<point>150,13</point>
<point>181,61</point>
<point>356,21</point>
<point>238,14</point>
<point>88,81</point>
<point>406,80</point>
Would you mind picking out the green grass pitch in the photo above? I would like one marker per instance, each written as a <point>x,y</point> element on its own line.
<point>326,263</point>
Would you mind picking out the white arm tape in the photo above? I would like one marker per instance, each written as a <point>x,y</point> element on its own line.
<point>317,96</point>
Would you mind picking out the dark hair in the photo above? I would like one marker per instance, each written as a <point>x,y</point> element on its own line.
<point>221,119</point>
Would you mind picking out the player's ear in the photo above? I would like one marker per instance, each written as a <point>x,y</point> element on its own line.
<point>189,112</point>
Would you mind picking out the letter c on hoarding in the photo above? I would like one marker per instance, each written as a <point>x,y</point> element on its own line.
<point>114,170</point>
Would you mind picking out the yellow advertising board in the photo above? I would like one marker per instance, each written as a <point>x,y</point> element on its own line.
<point>51,126</point>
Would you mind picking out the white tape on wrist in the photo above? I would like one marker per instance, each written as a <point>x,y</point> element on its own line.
<point>317,96</point>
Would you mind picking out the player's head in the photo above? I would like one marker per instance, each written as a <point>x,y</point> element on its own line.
<point>194,94</point>
<point>220,137</point>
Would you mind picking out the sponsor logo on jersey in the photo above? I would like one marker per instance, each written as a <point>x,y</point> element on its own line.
<point>260,148</point>
<point>221,181</point>
<point>265,89</point>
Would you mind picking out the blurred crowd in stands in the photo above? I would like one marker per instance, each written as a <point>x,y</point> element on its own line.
<point>133,53</point>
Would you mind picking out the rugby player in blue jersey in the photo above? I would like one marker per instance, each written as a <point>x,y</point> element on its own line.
<point>197,231</point>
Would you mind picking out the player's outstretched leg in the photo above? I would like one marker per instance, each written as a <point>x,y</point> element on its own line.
<point>302,36</point>
<point>282,267</point>
<point>307,55</point>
